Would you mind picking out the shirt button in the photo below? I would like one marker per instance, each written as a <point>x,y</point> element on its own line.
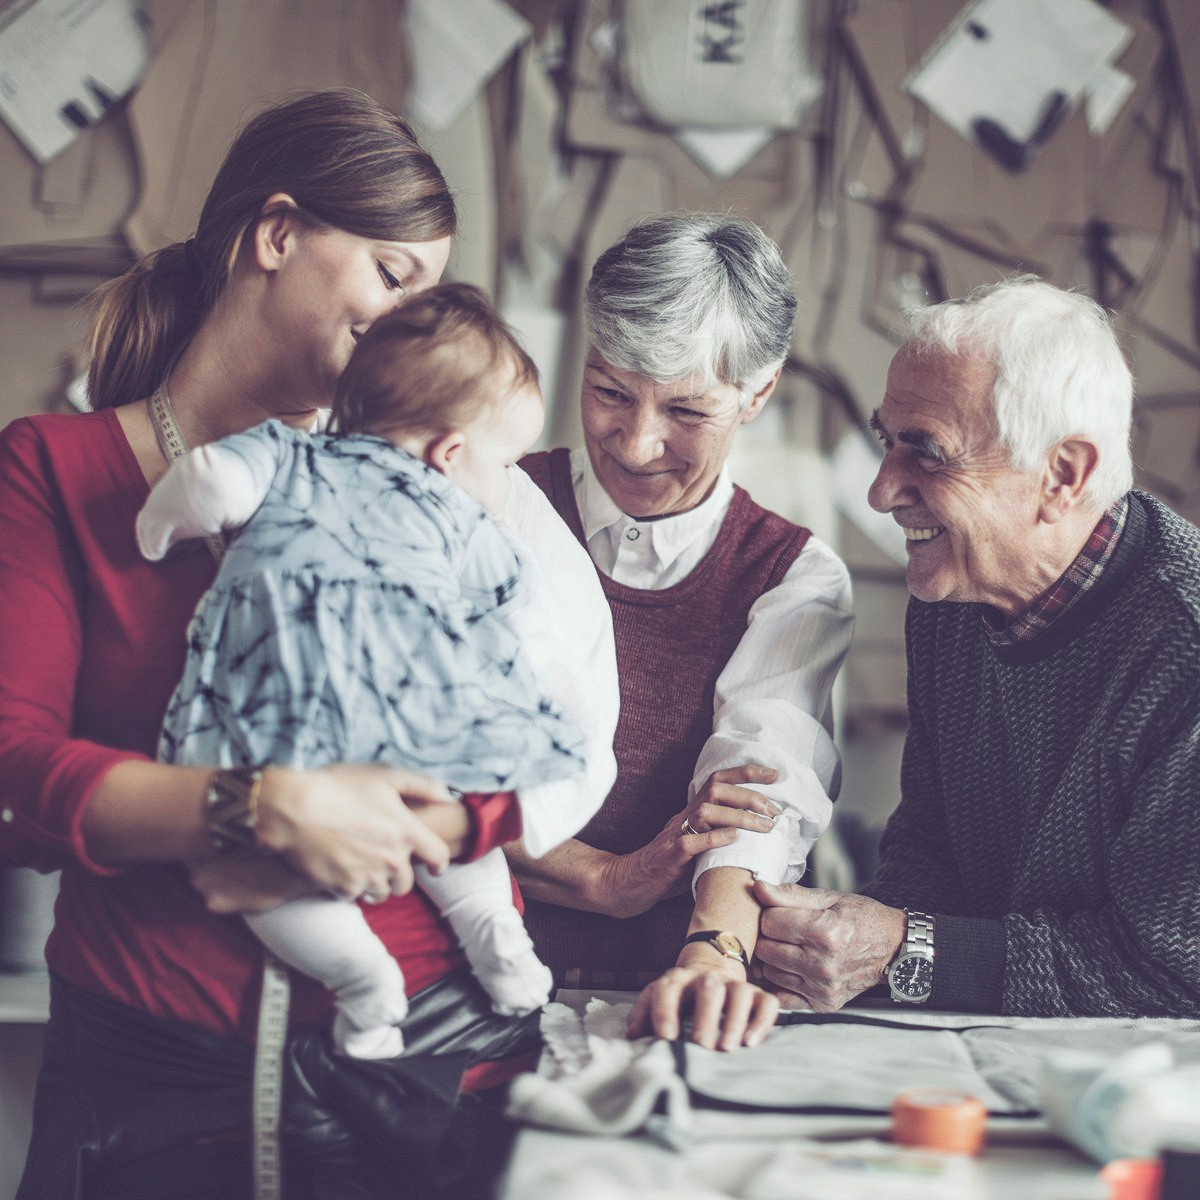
<point>7,816</point>
<point>633,534</point>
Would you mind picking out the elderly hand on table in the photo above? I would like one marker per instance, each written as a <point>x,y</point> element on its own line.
<point>727,1010</point>
<point>822,948</point>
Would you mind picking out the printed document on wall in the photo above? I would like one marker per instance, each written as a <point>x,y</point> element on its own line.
<point>64,64</point>
<point>1002,60</point>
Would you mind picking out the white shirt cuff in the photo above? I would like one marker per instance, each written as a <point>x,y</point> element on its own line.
<point>770,857</point>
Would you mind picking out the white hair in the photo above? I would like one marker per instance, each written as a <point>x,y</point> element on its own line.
<point>702,294</point>
<point>1059,372</point>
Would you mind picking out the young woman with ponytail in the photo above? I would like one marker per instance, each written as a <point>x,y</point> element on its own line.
<point>324,215</point>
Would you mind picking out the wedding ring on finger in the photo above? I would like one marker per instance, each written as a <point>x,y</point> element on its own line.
<point>686,827</point>
<point>374,897</point>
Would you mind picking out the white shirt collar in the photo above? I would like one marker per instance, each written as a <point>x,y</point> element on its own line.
<point>686,536</point>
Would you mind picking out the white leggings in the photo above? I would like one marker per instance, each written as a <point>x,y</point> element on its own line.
<point>330,940</point>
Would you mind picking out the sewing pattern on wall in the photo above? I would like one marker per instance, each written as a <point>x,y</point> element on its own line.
<point>719,79</point>
<point>1104,202</point>
<point>1007,73</point>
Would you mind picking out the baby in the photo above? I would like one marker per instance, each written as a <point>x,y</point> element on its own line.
<point>370,610</point>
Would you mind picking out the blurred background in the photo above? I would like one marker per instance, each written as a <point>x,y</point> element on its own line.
<point>900,151</point>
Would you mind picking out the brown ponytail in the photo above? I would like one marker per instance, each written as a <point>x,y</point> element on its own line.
<point>347,161</point>
<point>141,321</point>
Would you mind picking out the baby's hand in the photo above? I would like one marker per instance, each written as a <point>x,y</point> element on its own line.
<point>450,821</point>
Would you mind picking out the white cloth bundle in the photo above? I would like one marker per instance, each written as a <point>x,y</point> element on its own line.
<point>595,1080</point>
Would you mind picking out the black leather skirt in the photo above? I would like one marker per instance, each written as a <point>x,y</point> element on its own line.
<point>132,1106</point>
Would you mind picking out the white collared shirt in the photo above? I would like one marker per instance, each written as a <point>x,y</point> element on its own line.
<point>772,702</point>
<point>567,636</point>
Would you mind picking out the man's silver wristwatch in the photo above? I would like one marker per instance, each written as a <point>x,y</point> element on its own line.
<point>910,973</point>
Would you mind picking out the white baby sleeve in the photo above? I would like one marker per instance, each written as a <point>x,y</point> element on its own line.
<point>208,490</point>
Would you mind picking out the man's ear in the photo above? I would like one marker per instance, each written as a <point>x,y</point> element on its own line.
<point>760,397</point>
<point>442,452</point>
<point>274,230</point>
<point>1069,467</point>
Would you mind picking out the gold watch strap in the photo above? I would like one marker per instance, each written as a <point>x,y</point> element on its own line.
<point>232,808</point>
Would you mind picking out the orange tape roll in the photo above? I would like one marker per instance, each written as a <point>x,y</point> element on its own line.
<point>1133,1178</point>
<point>935,1119</point>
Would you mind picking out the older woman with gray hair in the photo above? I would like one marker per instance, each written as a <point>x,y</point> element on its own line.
<point>731,623</point>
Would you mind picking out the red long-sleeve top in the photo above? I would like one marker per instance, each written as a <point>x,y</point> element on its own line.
<point>92,642</point>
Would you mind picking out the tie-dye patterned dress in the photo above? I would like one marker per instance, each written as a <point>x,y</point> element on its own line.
<point>359,616</point>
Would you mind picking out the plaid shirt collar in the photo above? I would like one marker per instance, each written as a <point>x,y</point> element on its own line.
<point>1078,578</point>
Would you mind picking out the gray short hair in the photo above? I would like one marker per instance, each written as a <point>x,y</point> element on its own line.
<point>682,294</point>
<point>1059,372</point>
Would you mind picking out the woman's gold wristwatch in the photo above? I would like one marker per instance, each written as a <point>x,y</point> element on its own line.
<point>728,944</point>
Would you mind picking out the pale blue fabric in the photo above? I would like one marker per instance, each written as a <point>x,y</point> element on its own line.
<point>359,617</point>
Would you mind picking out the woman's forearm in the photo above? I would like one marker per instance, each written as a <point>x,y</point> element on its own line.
<point>147,812</point>
<point>725,901</point>
<point>573,875</point>
<point>347,828</point>
<point>725,1008</point>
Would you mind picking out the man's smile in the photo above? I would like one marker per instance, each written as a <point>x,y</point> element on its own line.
<point>922,534</point>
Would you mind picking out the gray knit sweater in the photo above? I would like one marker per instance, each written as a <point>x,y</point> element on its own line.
<point>1050,810</point>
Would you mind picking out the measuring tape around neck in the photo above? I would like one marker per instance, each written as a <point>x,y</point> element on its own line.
<point>276,986</point>
<point>172,445</point>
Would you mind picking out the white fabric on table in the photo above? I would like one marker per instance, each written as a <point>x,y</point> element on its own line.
<point>595,1080</point>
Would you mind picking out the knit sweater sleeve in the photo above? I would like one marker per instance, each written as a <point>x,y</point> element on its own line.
<point>1098,918</point>
<point>917,867</point>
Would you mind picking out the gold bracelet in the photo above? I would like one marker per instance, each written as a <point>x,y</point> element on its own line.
<point>231,811</point>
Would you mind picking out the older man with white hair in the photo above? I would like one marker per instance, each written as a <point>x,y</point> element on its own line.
<point>1043,857</point>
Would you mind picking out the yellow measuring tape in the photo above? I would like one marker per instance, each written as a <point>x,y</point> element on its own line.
<point>268,1078</point>
<point>276,985</point>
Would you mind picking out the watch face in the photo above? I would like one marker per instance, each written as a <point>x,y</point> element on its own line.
<point>912,976</point>
<point>729,945</point>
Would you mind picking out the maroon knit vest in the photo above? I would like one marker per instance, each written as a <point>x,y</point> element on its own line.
<point>671,646</point>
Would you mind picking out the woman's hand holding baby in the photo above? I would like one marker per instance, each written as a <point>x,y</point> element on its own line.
<point>348,829</point>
